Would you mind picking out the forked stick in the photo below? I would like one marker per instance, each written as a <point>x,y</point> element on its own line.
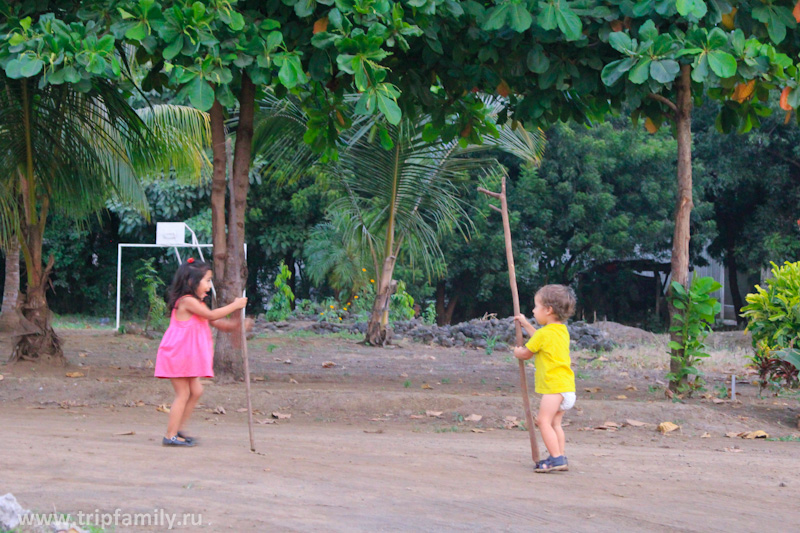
<point>512,278</point>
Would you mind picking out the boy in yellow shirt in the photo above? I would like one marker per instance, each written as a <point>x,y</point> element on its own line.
<point>554,379</point>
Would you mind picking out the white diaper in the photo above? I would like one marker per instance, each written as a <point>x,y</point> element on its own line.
<point>568,402</point>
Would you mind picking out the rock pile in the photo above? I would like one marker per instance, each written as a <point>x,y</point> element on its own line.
<point>494,333</point>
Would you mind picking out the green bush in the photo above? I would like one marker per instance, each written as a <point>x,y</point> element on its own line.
<point>401,306</point>
<point>698,311</point>
<point>281,303</point>
<point>773,318</point>
<point>157,307</point>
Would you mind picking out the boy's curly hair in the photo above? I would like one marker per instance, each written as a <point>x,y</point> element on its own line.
<point>560,298</point>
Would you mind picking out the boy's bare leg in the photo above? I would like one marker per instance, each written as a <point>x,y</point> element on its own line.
<point>559,431</point>
<point>548,411</point>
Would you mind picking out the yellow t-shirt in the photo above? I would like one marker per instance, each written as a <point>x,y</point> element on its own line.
<point>550,345</point>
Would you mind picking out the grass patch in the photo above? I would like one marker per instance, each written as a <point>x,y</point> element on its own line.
<point>82,322</point>
<point>451,429</point>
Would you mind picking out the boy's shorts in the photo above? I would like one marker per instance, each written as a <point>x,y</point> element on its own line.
<point>568,401</point>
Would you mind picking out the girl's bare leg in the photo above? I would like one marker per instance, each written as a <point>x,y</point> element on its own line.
<point>176,411</point>
<point>195,391</point>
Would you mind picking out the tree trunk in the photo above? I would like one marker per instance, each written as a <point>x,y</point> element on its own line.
<point>377,334</point>
<point>733,277</point>
<point>228,362</point>
<point>444,313</point>
<point>9,320</point>
<point>683,210</point>
<point>218,187</point>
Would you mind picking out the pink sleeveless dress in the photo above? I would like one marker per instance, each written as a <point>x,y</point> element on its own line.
<point>187,349</point>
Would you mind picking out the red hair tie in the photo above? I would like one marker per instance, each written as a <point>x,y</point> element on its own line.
<point>190,260</point>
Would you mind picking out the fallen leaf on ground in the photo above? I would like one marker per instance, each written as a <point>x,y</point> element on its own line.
<point>425,386</point>
<point>75,374</point>
<point>287,362</point>
<point>265,421</point>
<point>759,434</point>
<point>667,427</point>
<point>476,430</point>
<point>436,414</point>
<point>705,435</point>
<point>149,363</point>
<point>378,419</point>
<point>258,378</point>
<point>163,408</point>
<point>719,400</point>
<point>610,424</point>
<point>82,354</point>
<point>292,380</point>
<point>416,416</point>
<point>328,364</point>
<point>631,387</point>
<point>622,397</point>
<point>593,389</point>
<point>731,434</point>
<point>1,377</point>
<point>125,433</point>
<point>602,359</point>
<point>733,450</point>
<point>219,410</point>
<point>403,375</point>
<point>376,431</point>
<point>241,410</point>
<point>281,416</point>
<point>635,423</point>
<point>602,454</point>
<point>473,418</point>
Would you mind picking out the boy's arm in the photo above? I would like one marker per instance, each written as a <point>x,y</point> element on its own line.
<point>525,324</point>
<point>521,352</point>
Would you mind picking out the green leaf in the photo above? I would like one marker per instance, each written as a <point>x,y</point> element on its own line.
<point>776,28</point>
<point>640,72</point>
<point>201,95</point>
<point>616,69</point>
<point>717,38</point>
<point>675,346</point>
<point>14,69</point>
<point>137,32</point>
<point>538,62</point>
<point>390,109</point>
<point>621,42</point>
<point>519,18</point>
<point>677,304</point>
<point>568,22</point>
<point>700,70</point>
<point>647,31</point>
<point>497,17</point>
<point>722,63</point>
<point>30,66</point>
<point>174,48</point>
<point>664,71</point>
<point>547,17</point>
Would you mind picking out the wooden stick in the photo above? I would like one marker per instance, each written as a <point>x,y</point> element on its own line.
<point>247,383</point>
<point>512,278</point>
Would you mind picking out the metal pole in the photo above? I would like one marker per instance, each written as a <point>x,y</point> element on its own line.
<point>119,279</point>
<point>247,384</point>
<point>512,278</point>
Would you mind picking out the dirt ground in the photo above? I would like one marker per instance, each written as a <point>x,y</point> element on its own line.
<point>384,440</point>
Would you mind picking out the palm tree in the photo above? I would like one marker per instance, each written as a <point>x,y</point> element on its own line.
<point>398,201</point>
<point>71,150</point>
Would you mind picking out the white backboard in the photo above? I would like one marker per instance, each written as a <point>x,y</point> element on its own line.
<point>170,233</point>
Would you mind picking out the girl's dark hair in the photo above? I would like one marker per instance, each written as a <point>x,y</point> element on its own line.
<point>186,280</point>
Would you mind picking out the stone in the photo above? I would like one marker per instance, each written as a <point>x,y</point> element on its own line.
<point>10,512</point>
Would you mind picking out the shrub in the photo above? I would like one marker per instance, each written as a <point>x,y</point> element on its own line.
<point>281,303</point>
<point>773,318</point>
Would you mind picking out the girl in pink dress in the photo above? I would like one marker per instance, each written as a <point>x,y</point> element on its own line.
<point>186,353</point>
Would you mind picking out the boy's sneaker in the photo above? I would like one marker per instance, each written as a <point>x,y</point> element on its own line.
<point>552,464</point>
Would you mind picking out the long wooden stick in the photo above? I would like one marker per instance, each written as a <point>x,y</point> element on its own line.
<point>247,384</point>
<point>512,278</point>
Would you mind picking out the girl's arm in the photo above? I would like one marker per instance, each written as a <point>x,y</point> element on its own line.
<point>525,324</point>
<point>196,307</point>
<point>232,324</point>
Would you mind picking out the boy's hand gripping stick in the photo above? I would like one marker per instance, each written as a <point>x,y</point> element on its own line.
<point>512,278</point>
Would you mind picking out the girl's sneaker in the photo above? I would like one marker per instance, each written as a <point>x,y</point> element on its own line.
<point>552,464</point>
<point>175,441</point>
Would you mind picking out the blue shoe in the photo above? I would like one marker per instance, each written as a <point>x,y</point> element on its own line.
<point>191,440</point>
<point>552,464</point>
<point>175,442</point>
